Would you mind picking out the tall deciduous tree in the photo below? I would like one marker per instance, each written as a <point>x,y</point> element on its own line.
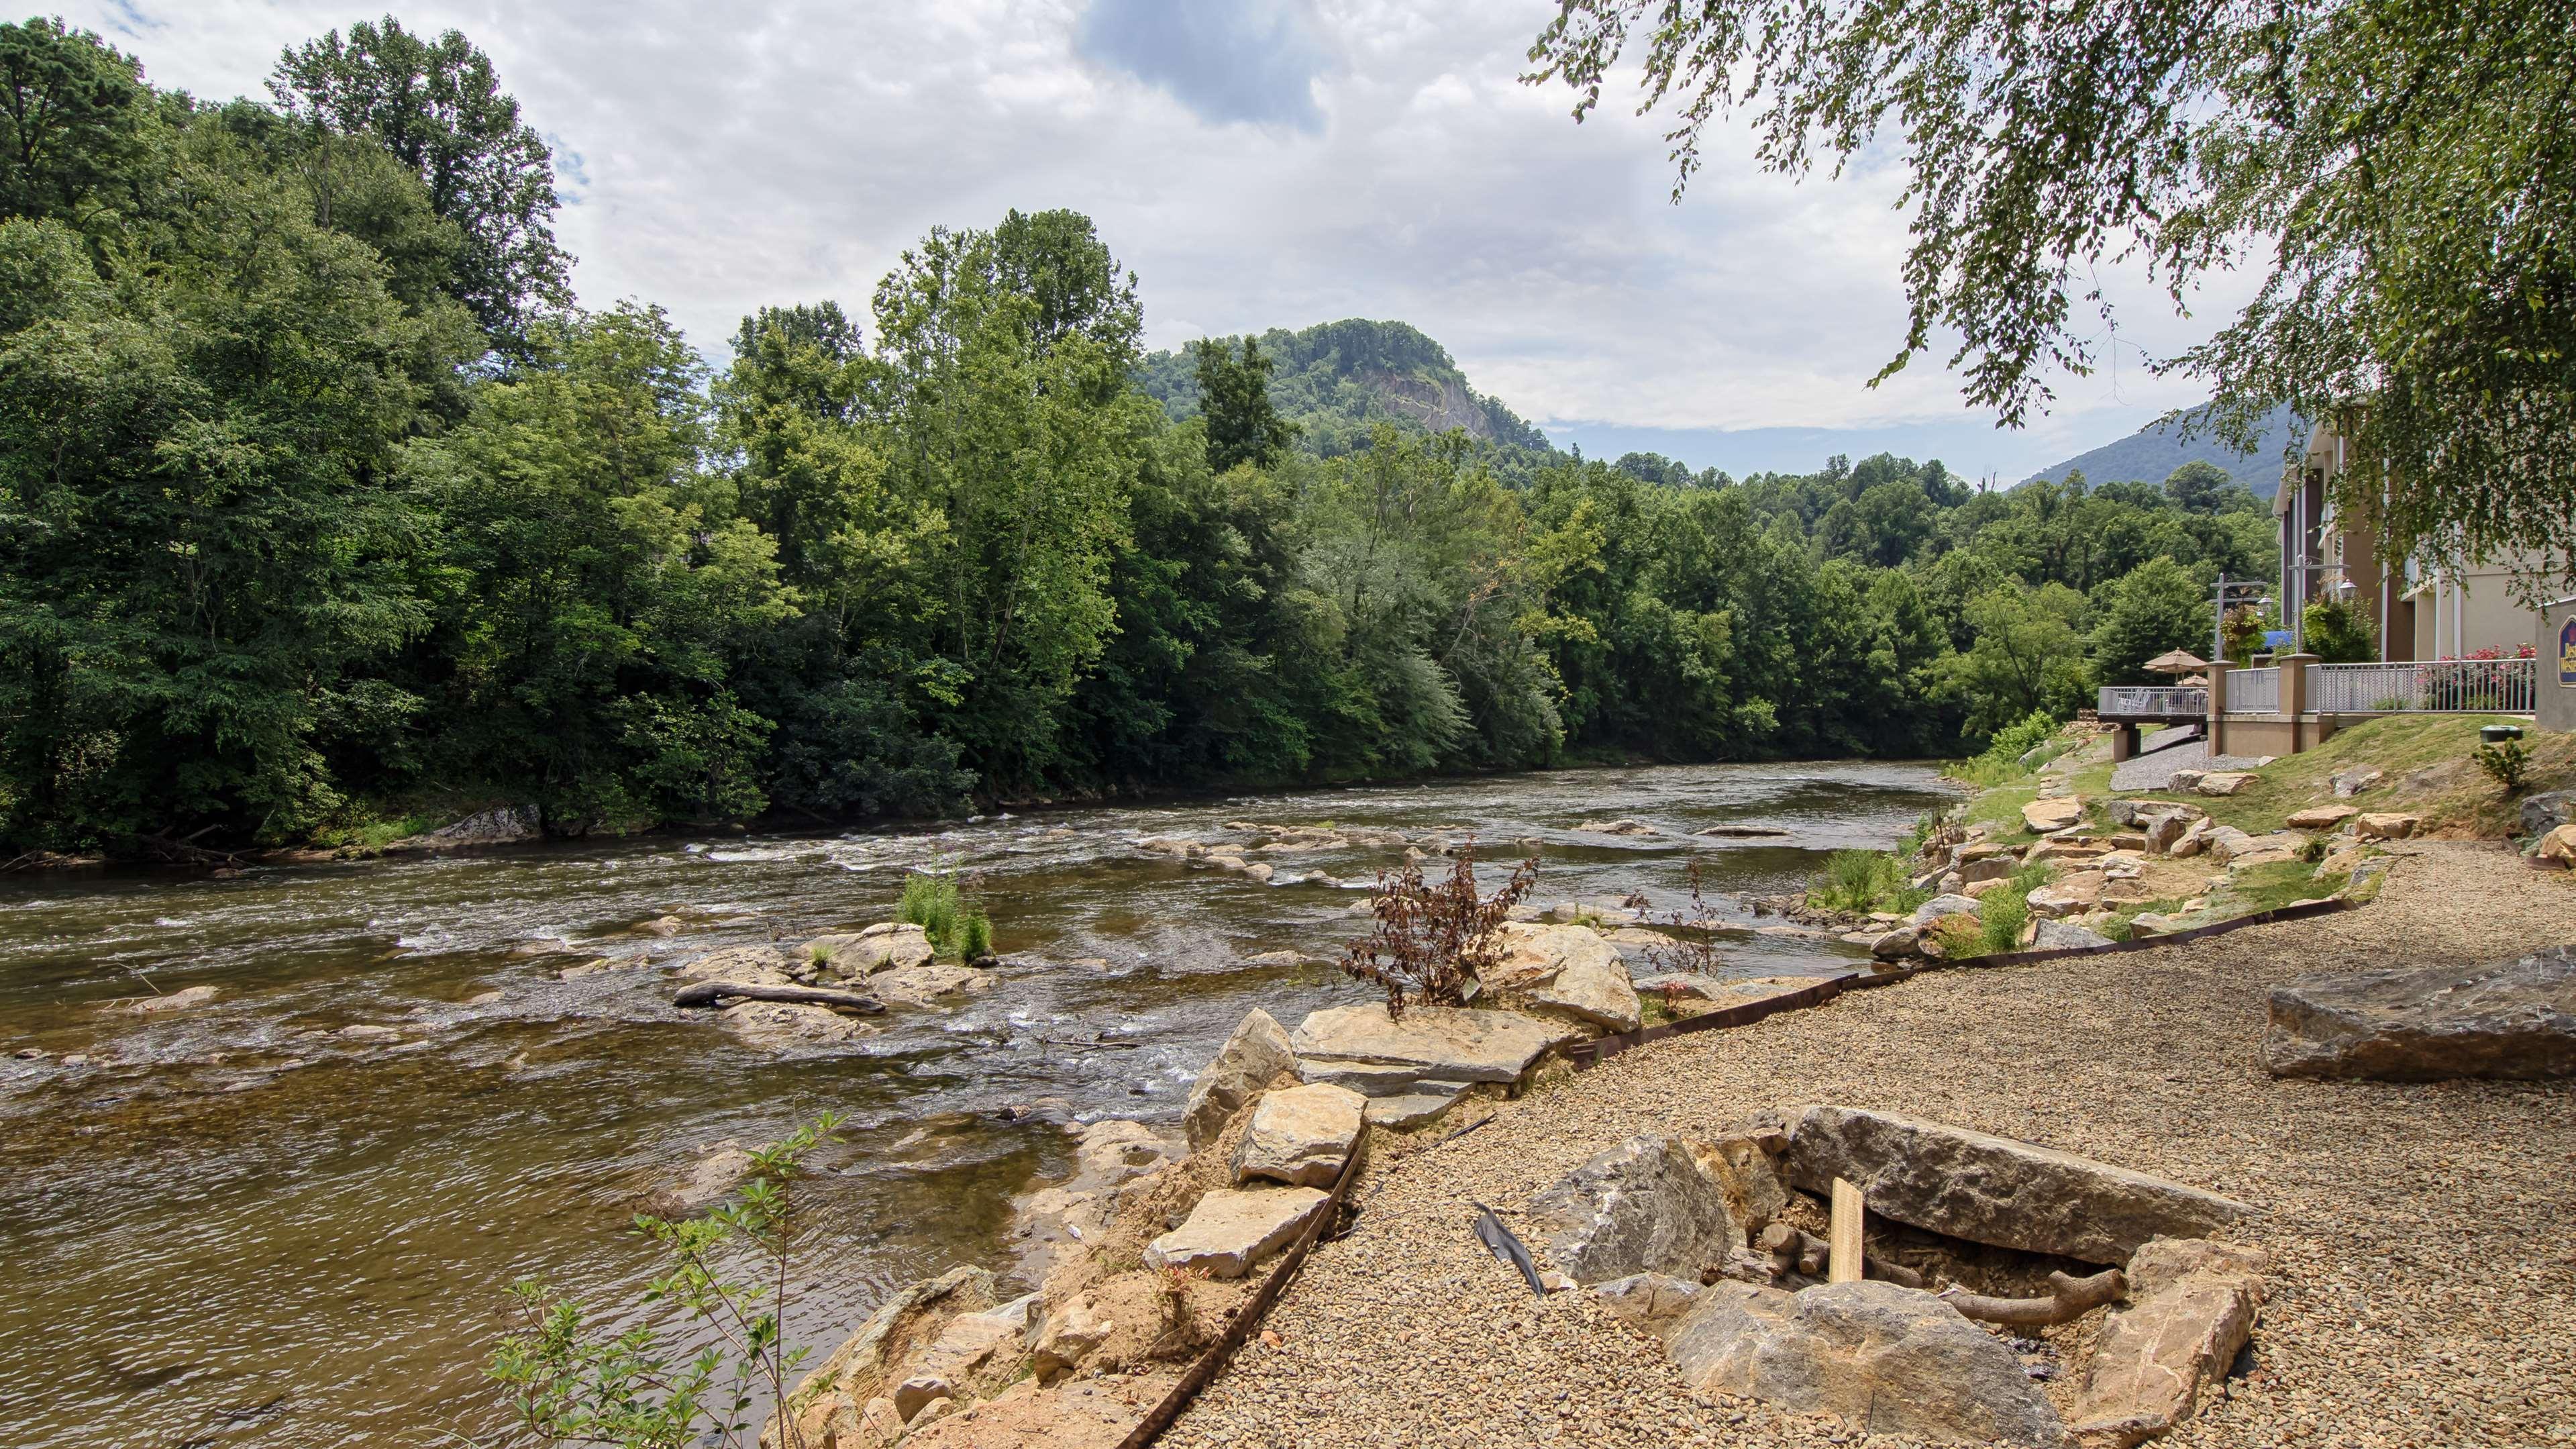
<point>439,108</point>
<point>2404,173</point>
<point>1234,397</point>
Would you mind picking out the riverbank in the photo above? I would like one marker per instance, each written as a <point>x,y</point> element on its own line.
<point>2384,1326</point>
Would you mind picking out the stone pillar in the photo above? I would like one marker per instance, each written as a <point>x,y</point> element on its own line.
<point>2554,705</point>
<point>2294,699</point>
<point>2124,743</point>
<point>2218,707</point>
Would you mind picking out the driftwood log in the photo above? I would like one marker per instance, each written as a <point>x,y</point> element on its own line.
<point>2072,1299</point>
<point>717,993</point>
<point>1794,1251</point>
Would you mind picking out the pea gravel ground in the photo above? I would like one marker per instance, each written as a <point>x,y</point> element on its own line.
<point>2423,1237</point>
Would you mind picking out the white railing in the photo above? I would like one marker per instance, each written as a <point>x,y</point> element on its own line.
<point>2151,701</point>
<point>2254,691</point>
<point>2454,686</point>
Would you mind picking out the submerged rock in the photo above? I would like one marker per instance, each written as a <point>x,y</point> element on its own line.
<point>785,1026</point>
<point>2514,1019</point>
<point>929,986</point>
<point>184,999</point>
<point>1643,1206</point>
<point>1995,1190</point>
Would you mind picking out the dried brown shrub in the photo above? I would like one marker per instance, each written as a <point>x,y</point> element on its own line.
<point>1691,952</point>
<point>1431,936</point>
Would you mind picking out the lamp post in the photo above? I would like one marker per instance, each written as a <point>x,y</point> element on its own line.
<point>2218,633</point>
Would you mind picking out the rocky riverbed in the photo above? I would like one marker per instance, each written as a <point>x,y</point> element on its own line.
<point>335,1110</point>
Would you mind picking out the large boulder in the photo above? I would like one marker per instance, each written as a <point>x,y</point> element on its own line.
<point>792,1026</point>
<point>2514,1018</point>
<point>2192,1305</point>
<point>929,986</point>
<point>886,946</point>
<point>1651,1303</point>
<point>751,965</point>
<point>973,1346</point>
<point>2066,936</point>
<point>2547,811</point>
<point>1230,1230</point>
<point>1883,1359</point>
<point>1995,1190</point>
<point>2385,825</point>
<point>1643,1206</point>
<point>2068,895</point>
<point>1072,1333</point>
<point>2235,848</point>
<point>2350,782</point>
<point>1116,1151</point>
<point>1939,906</point>
<point>1430,1043</point>
<point>1569,970</point>
<point>1250,1059</point>
<point>1300,1136</point>
<point>504,825</point>
<point>2055,813</point>
<point>2222,782</point>
<point>2322,817</point>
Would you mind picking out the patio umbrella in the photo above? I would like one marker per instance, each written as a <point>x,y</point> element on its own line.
<point>2178,661</point>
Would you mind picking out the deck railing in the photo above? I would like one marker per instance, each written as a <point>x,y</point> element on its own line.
<point>2151,701</point>
<point>2254,691</point>
<point>2454,686</point>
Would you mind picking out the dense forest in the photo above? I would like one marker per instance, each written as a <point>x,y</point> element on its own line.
<point>324,506</point>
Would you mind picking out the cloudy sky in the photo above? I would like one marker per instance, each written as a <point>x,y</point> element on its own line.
<point>1259,163</point>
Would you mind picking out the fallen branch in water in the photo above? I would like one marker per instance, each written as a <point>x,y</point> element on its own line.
<point>2073,1298</point>
<point>716,993</point>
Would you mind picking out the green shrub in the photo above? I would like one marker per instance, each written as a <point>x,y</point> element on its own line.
<point>2507,763</point>
<point>955,926</point>
<point>2001,761</point>
<point>1865,880</point>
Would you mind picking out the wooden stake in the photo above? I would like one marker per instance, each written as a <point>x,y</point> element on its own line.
<point>1843,1263</point>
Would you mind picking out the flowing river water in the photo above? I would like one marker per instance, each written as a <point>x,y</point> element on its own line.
<point>234,1225</point>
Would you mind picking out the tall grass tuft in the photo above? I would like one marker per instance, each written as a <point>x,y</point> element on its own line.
<point>1860,881</point>
<point>955,927</point>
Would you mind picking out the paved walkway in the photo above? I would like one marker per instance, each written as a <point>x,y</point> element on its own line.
<point>2155,769</point>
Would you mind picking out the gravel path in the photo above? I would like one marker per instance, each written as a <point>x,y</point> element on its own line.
<point>2155,769</point>
<point>2423,1238</point>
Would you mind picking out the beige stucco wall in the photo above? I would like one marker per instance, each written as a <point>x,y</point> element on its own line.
<point>2486,615</point>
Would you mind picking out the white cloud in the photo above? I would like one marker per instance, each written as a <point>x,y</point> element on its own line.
<point>1275,164</point>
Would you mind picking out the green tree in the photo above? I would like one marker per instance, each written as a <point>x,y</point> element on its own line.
<point>75,125</point>
<point>603,586</point>
<point>2405,170</point>
<point>2198,487</point>
<point>2155,607</point>
<point>437,106</point>
<point>2337,632</point>
<point>203,535</point>
<point>2028,656</point>
<point>1234,396</point>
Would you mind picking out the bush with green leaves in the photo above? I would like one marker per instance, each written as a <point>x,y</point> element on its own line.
<point>574,1382</point>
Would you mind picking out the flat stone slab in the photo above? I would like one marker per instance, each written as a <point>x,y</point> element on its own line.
<point>886,946</point>
<point>2512,1019</point>
<point>1883,1359</point>
<point>1232,1229</point>
<point>2054,813</point>
<point>1300,1136</point>
<point>1444,1043</point>
<point>2192,1306</point>
<point>1426,1104</point>
<point>1995,1190</point>
<point>1643,1206</point>
<point>928,986</point>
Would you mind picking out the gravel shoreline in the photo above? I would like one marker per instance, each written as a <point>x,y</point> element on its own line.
<point>2423,1237</point>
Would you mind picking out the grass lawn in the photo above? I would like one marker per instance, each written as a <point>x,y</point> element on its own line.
<point>2426,759</point>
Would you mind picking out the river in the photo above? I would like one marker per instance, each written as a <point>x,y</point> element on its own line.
<point>235,1226</point>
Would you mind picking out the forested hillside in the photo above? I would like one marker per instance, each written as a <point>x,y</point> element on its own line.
<point>1336,381</point>
<point>2160,447</point>
<point>322,503</point>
